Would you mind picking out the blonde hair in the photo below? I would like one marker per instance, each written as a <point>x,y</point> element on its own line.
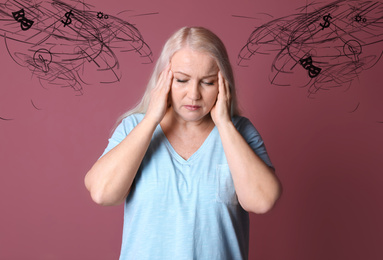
<point>198,39</point>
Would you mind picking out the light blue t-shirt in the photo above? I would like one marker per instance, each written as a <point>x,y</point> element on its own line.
<point>185,209</point>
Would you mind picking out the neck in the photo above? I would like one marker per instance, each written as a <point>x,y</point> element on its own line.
<point>172,123</point>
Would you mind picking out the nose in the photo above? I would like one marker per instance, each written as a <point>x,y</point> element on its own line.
<point>194,91</point>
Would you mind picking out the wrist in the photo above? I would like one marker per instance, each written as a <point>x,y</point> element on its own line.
<point>149,122</point>
<point>224,124</point>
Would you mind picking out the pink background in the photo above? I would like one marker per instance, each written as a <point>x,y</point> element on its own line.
<point>328,159</point>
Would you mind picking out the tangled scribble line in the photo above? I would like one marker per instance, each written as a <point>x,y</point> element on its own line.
<point>331,45</point>
<point>56,40</point>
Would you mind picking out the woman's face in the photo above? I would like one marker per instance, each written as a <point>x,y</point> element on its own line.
<point>195,84</point>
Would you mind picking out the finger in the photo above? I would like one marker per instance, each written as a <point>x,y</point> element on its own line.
<point>221,87</point>
<point>226,87</point>
<point>163,76</point>
<point>169,79</point>
<point>169,73</point>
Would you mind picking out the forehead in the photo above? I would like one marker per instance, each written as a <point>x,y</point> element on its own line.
<point>193,62</point>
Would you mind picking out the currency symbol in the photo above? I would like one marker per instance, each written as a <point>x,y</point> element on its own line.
<point>86,55</point>
<point>326,21</point>
<point>68,19</point>
<point>25,23</point>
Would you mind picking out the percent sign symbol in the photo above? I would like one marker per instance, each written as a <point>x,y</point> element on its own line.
<point>42,59</point>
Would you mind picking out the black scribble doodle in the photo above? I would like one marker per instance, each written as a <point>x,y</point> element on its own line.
<point>60,40</point>
<point>5,119</point>
<point>333,43</point>
<point>254,18</point>
<point>33,104</point>
<point>356,108</point>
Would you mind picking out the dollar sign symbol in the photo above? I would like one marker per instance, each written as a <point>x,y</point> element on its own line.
<point>68,19</point>
<point>326,21</point>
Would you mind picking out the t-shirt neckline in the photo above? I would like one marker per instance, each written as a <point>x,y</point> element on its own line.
<point>195,155</point>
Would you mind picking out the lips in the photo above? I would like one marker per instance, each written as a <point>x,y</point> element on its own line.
<point>192,108</point>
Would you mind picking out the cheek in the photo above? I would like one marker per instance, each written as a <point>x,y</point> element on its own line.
<point>212,97</point>
<point>175,94</point>
<point>171,97</point>
<point>214,94</point>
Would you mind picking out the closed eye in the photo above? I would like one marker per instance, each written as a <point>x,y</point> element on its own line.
<point>208,83</point>
<point>181,80</point>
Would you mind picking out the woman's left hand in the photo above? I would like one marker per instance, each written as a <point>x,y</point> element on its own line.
<point>220,113</point>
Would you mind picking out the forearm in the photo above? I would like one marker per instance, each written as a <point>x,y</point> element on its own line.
<point>255,183</point>
<point>110,178</point>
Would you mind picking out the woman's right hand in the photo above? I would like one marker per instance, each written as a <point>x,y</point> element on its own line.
<point>159,96</point>
<point>111,177</point>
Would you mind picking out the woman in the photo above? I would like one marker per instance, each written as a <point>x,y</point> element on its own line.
<point>187,167</point>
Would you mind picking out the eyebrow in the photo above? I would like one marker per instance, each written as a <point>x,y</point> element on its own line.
<point>204,77</point>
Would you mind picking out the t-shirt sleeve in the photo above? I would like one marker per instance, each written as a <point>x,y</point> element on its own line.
<point>253,138</point>
<point>122,130</point>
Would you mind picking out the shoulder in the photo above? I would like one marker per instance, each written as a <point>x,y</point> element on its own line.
<point>243,124</point>
<point>131,121</point>
<point>246,128</point>
<point>133,118</point>
<point>239,119</point>
<point>127,124</point>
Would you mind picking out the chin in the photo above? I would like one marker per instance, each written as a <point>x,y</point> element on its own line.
<point>193,117</point>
